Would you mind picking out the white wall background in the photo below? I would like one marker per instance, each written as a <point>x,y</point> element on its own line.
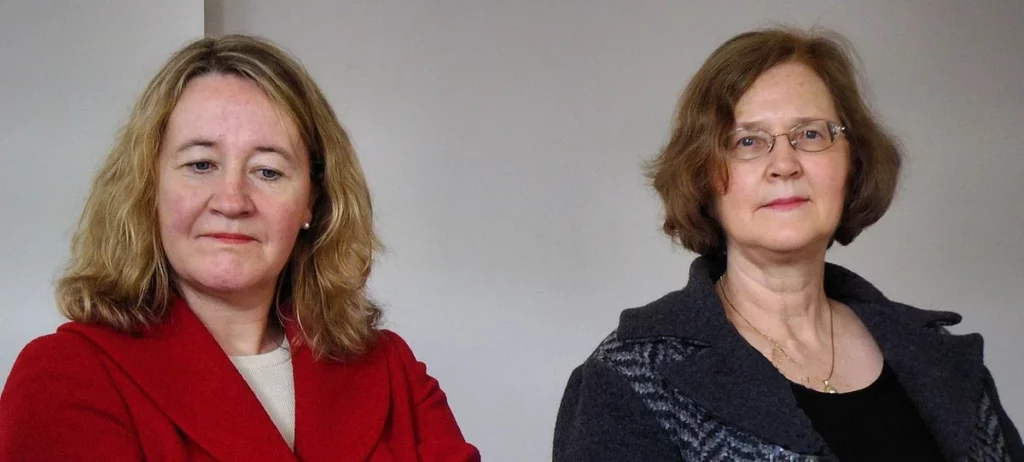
<point>503,139</point>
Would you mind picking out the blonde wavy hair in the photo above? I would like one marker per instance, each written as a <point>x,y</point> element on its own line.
<point>118,275</point>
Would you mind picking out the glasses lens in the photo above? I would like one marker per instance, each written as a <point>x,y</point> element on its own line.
<point>748,144</point>
<point>812,136</point>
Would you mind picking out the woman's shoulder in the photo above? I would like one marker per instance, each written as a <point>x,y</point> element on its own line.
<point>64,349</point>
<point>57,362</point>
<point>392,344</point>
<point>393,349</point>
<point>888,315</point>
<point>866,299</point>
<point>673,326</point>
<point>648,337</point>
<point>61,399</point>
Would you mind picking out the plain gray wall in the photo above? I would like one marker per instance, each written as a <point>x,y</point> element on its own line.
<point>503,143</point>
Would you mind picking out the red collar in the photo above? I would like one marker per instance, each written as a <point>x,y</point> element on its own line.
<point>340,407</point>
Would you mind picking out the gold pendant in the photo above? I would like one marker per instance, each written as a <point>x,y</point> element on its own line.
<point>829,388</point>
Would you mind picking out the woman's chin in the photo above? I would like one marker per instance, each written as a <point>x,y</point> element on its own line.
<point>227,284</point>
<point>794,244</point>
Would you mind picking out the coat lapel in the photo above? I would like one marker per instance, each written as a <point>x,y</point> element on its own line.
<point>747,394</point>
<point>942,374</point>
<point>341,407</point>
<point>180,366</point>
<point>726,376</point>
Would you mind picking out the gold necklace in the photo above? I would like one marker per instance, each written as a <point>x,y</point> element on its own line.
<point>827,387</point>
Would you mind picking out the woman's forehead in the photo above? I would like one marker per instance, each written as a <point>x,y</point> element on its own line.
<point>783,97</point>
<point>226,108</point>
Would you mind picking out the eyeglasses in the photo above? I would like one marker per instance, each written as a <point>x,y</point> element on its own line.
<point>810,136</point>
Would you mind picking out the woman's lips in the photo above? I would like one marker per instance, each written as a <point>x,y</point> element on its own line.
<point>231,238</point>
<point>786,203</point>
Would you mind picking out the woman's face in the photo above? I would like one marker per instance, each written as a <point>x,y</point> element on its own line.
<point>233,188</point>
<point>787,200</point>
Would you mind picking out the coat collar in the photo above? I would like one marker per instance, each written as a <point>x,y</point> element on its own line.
<point>735,383</point>
<point>339,407</point>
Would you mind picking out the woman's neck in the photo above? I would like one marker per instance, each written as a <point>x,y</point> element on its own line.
<point>782,298</point>
<point>239,324</point>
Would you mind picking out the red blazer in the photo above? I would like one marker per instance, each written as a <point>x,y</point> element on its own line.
<point>88,393</point>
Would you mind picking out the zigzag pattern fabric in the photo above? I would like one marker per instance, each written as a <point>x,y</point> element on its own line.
<point>699,436</point>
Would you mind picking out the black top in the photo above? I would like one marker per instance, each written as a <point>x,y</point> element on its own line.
<point>876,423</point>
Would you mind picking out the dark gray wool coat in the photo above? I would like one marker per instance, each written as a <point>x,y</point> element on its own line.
<point>676,381</point>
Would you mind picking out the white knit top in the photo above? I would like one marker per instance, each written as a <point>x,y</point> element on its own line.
<point>270,377</point>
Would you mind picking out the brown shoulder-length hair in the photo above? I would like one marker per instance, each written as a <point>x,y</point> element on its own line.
<point>118,275</point>
<point>685,172</point>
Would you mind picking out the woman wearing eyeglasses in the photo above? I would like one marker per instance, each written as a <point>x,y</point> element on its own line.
<point>769,352</point>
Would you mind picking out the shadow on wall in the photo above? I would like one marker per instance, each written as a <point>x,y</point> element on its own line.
<point>213,24</point>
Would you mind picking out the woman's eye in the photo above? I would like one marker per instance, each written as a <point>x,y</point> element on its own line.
<point>269,174</point>
<point>749,142</point>
<point>201,166</point>
<point>812,134</point>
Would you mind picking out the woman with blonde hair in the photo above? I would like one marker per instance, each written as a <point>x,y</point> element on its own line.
<point>217,289</point>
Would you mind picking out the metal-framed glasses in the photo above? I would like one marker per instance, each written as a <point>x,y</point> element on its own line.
<point>808,136</point>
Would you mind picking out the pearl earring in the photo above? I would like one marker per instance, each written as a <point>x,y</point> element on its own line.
<point>305,225</point>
